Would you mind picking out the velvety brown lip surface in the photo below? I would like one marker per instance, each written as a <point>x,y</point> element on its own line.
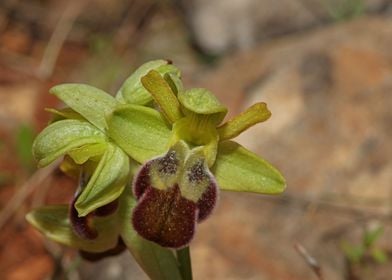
<point>165,217</point>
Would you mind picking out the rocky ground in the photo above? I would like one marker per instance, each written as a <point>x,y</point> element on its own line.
<point>330,95</point>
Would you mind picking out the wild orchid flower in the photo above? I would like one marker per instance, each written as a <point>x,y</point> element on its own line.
<point>186,154</point>
<point>150,163</point>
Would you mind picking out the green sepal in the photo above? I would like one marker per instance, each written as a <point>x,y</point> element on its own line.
<point>133,92</point>
<point>92,103</point>
<point>157,262</point>
<point>107,182</point>
<point>140,131</point>
<point>238,169</point>
<point>64,113</point>
<point>54,223</point>
<point>163,95</point>
<point>61,137</point>
<point>202,102</point>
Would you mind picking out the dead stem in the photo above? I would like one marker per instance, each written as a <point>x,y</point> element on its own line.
<point>25,190</point>
<point>58,38</point>
<point>310,260</point>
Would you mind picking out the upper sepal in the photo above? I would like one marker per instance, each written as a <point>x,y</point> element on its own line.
<point>133,92</point>
<point>238,169</point>
<point>203,102</point>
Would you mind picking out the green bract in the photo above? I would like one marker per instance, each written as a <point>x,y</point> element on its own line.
<point>149,163</point>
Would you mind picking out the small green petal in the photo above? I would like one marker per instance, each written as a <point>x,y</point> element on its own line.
<point>70,168</point>
<point>174,82</point>
<point>92,103</point>
<point>140,131</point>
<point>54,223</point>
<point>60,137</point>
<point>82,154</point>
<point>156,261</point>
<point>253,115</point>
<point>163,95</point>
<point>203,102</point>
<point>65,113</point>
<point>133,92</point>
<point>107,182</point>
<point>237,169</point>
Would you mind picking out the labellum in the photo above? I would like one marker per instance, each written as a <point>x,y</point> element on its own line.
<point>174,192</point>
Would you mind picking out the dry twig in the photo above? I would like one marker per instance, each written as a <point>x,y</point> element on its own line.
<point>25,190</point>
<point>59,35</point>
<point>311,261</point>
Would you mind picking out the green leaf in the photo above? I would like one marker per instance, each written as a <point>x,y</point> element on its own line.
<point>54,223</point>
<point>237,169</point>
<point>372,235</point>
<point>159,263</point>
<point>163,95</point>
<point>354,253</point>
<point>139,131</point>
<point>61,137</point>
<point>107,182</point>
<point>92,103</point>
<point>379,256</point>
<point>201,101</point>
<point>133,92</point>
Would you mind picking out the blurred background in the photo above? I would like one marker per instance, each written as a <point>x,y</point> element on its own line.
<point>324,67</point>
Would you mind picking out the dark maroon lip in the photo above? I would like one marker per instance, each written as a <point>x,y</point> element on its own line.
<point>165,216</point>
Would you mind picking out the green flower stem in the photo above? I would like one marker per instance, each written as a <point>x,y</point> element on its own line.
<point>184,259</point>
